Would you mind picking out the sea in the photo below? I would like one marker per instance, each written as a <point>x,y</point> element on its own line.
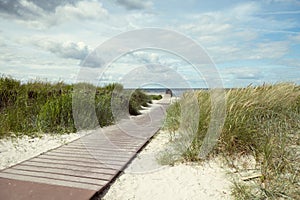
<point>176,92</point>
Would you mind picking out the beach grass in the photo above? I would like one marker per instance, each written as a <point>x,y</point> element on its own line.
<point>261,121</point>
<point>44,107</point>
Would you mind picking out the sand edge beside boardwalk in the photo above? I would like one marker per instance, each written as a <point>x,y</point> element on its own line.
<point>189,181</point>
<point>16,150</point>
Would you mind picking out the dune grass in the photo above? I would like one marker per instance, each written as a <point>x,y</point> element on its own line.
<point>35,107</point>
<point>263,122</point>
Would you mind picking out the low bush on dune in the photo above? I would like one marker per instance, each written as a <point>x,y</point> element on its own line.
<point>155,96</point>
<point>137,99</point>
<point>262,121</point>
<point>48,107</point>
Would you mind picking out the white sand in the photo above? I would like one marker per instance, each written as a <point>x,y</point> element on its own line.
<point>16,150</point>
<point>145,179</point>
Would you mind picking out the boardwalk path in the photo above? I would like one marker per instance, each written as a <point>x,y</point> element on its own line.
<point>83,167</point>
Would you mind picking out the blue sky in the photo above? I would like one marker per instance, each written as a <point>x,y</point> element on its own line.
<point>250,42</point>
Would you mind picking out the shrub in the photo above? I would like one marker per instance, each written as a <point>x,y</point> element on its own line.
<point>137,99</point>
<point>155,97</point>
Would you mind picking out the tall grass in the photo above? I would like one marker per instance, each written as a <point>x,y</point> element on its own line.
<point>262,121</point>
<point>48,107</point>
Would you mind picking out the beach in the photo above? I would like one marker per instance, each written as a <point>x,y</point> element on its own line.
<point>144,178</point>
<point>16,150</point>
<point>208,180</point>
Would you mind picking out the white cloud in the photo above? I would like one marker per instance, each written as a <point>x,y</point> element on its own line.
<point>135,4</point>
<point>245,35</point>
<point>295,2</point>
<point>82,10</point>
<point>235,33</point>
<point>245,10</point>
<point>30,7</point>
<point>295,38</point>
<point>270,50</point>
<point>249,51</point>
<point>74,50</point>
<point>37,17</point>
<point>221,27</point>
<point>242,75</point>
<point>146,57</point>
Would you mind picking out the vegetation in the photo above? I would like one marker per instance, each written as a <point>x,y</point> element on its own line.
<point>155,96</point>
<point>138,99</point>
<point>37,106</point>
<point>263,122</point>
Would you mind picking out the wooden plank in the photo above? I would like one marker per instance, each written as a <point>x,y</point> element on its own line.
<point>63,177</point>
<point>111,141</point>
<point>92,154</point>
<point>114,146</point>
<point>85,160</point>
<point>79,163</point>
<point>104,142</point>
<point>88,150</point>
<point>65,171</point>
<point>99,148</point>
<point>50,181</point>
<point>90,147</point>
<point>104,170</point>
<point>98,156</point>
<point>12,189</point>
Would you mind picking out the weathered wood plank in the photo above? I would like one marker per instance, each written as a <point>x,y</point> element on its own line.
<point>104,170</point>
<point>50,181</point>
<point>79,163</point>
<point>91,154</point>
<point>65,171</point>
<point>85,160</point>
<point>63,177</point>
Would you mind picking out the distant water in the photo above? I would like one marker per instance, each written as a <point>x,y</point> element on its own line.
<point>175,91</point>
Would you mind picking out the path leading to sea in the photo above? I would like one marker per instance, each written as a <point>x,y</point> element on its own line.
<point>84,167</point>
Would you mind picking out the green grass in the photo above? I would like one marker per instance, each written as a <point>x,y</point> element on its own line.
<point>35,107</point>
<point>155,96</point>
<point>262,121</point>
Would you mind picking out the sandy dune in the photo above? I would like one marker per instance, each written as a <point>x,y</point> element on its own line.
<point>144,179</point>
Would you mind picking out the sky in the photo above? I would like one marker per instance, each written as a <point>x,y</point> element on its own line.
<point>248,42</point>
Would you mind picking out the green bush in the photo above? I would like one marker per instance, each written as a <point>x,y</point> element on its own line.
<point>137,99</point>
<point>155,97</point>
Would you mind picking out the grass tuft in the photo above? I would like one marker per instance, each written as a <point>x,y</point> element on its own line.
<point>263,122</point>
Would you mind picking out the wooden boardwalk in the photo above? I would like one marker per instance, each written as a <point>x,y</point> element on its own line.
<point>84,167</point>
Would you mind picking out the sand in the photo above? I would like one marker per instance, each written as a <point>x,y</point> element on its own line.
<point>145,179</point>
<point>16,150</point>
